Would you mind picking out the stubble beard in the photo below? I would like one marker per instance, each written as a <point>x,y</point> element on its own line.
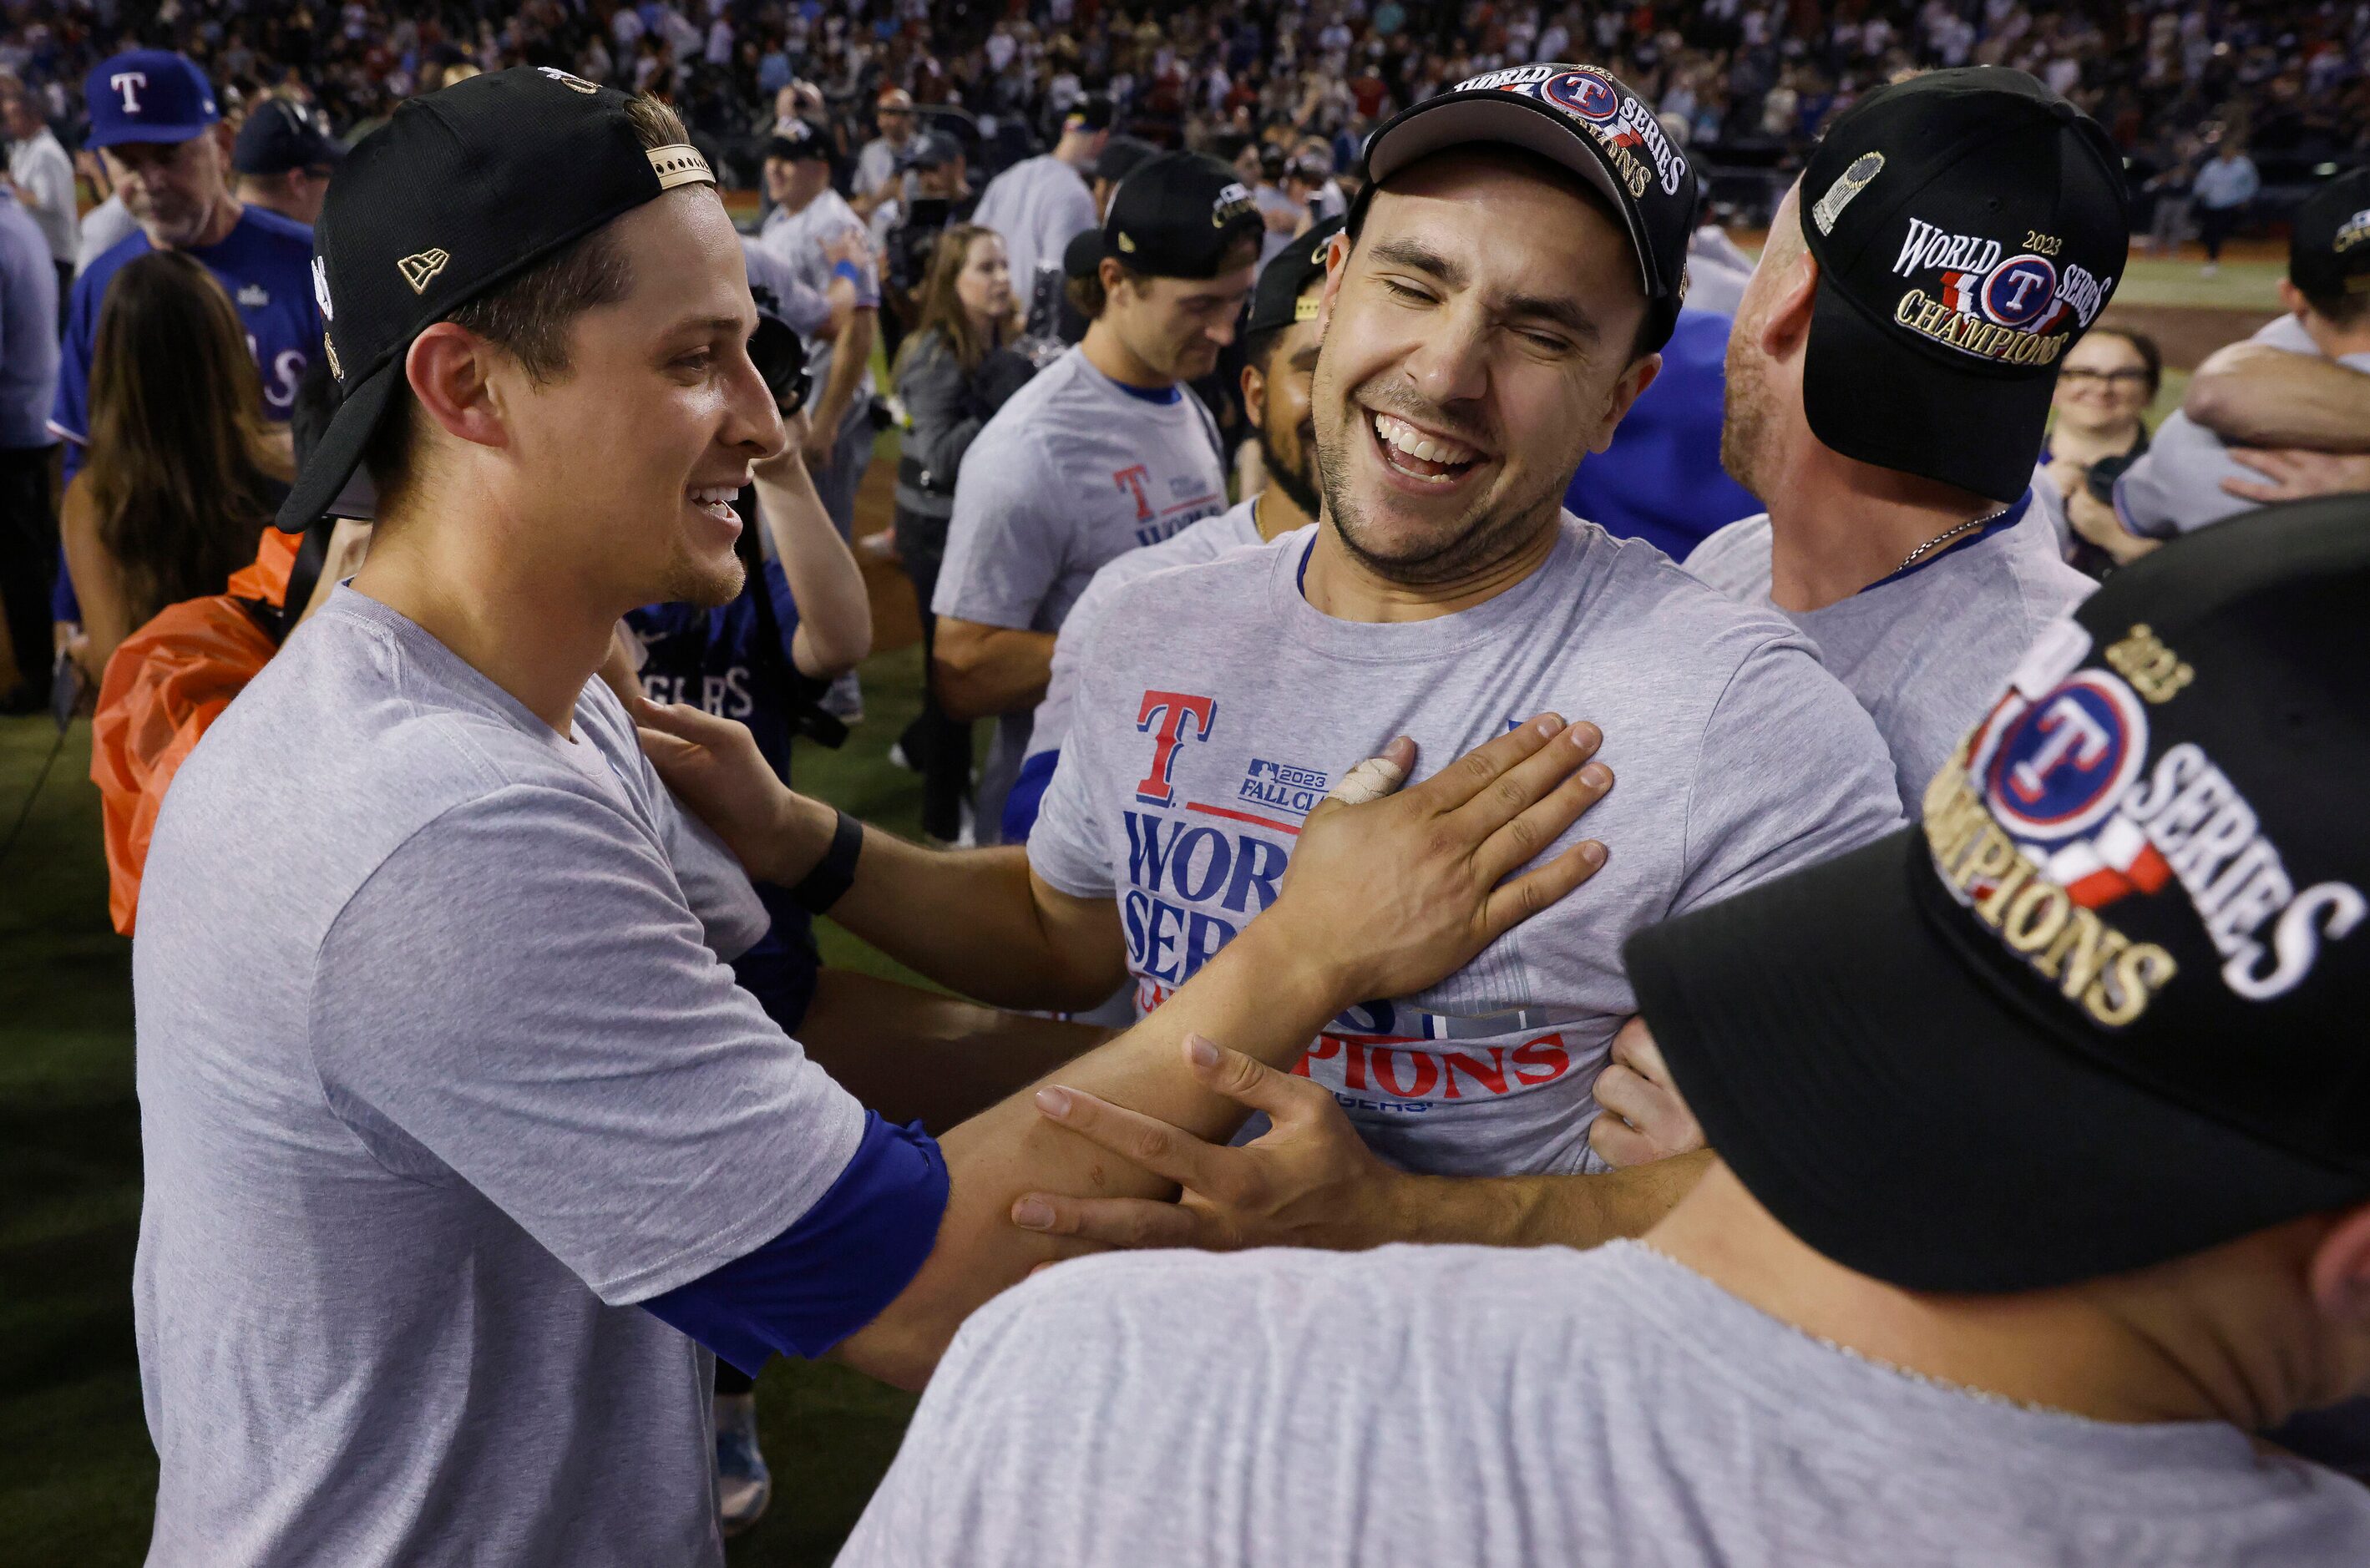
<point>1491,532</point>
<point>689,581</point>
<point>1297,482</point>
<point>1745,423</point>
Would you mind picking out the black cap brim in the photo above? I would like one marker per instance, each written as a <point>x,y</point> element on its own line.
<point>338,453</point>
<point>1906,1120</point>
<point>1872,395</point>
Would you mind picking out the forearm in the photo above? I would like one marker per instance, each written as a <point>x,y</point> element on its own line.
<point>834,613</point>
<point>1269,996</point>
<point>851,352</point>
<point>2255,396</point>
<point>922,1056</point>
<point>1535,1211</point>
<point>981,671</point>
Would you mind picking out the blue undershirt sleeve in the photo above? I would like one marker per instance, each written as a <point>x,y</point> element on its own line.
<point>833,1272</point>
<point>1027,793</point>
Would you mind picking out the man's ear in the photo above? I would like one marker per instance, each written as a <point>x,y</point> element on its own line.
<point>449,369</point>
<point>2292,299</point>
<point>1636,379</point>
<point>2341,1270</point>
<point>1337,266</point>
<point>1254,387</point>
<point>1787,324</point>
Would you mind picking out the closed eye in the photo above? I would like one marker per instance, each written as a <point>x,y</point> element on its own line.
<point>1406,292</point>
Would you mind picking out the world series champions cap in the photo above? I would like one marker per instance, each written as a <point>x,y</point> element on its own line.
<point>2103,1006</point>
<point>461,191</point>
<point>1585,119</point>
<point>1969,225</point>
<point>1174,215</point>
<point>2328,238</point>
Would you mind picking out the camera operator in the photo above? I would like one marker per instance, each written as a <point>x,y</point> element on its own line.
<point>905,228</point>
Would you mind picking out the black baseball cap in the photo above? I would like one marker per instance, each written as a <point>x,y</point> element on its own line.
<point>795,139</point>
<point>1585,119</point>
<point>930,150</point>
<point>278,136</point>
<point>1969,226</point>
<point>2104,1006</point>
<point>1278,298</point>
<point>1176,215</point>
<point>461,191</point>
<point>2329,239</point>
<point>1120,156</point>
<point>1092,113</point>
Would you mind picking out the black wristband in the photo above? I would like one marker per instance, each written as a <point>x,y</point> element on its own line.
<point>834,874</point>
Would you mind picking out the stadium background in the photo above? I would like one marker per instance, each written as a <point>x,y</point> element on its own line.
<point>77,1473</point>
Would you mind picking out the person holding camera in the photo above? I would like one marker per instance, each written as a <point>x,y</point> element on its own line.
<point>951,374</point>
<point>934,193</point>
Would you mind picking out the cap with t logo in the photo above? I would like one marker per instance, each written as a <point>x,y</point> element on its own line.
<point>1969,226</point>
<point>147,94</point>
<point>464,189</point>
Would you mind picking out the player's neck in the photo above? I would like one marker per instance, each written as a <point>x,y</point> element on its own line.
<point>2336,341</point>
<point>2162,1346</point>
<point>224,218</point>
<point>1837,526</point>
<point>1340,585</point>
<point>1106,351</point>
<point>499,614</point>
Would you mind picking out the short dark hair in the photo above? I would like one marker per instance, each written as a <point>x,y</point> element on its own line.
<point>2339,307</point>
<point>2151,357</point>
<point>528,317</point>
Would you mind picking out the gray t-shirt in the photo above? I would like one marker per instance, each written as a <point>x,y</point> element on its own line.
<point>1217,705</point>
<point>1927,651</point>
<point>1487,1406</point>
<point>797,239</point>
<point>1039,205</point>
<point>2175,488</point>
<point>1237,528</point>
<point>1074,471</point>
<point>440,1072</point>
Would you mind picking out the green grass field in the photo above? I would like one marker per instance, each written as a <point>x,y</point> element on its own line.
<point>77,1472</point>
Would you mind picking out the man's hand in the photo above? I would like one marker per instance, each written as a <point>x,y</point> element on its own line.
<point>1399,892</point>
<point>781,468</point>
<point>1644,1119</point>
<point>2292,474</point>
<point>1310,1181</point>
<point>714,767</point>
<point>2096,521</point>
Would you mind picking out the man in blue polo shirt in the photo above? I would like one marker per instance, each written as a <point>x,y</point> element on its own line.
<point>153,119</point>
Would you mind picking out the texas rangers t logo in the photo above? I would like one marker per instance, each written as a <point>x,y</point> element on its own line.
<point>123,82</point>
<point>1131,479</point>
<point>1170,711</point>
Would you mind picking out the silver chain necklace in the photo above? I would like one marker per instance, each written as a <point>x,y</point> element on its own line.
<point>1947,534</point>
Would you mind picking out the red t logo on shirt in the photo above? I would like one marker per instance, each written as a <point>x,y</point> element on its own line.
<point>1170,711</point>
<point>1131,478</point>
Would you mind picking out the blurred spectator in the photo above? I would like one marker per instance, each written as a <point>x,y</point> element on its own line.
<point>2104,386</point>
<point>950,378</point>
<point>104,227</point>
<point>284,161</point>
<point>184,474</point>
<point>1038,204</point>
<point>878,165</point>
<point>2224,191</point>
<point>29,523</point>
<point>44,178</point>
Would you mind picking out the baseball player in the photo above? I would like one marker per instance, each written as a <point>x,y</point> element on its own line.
<point>808,230</point>
<point>1104,452</point>
<point>464,1149</point>
<point>154,121</point>
<point>1280,358</point>
<point>1889,379</point>
<point>284,161</point>
<point>1039,203</point>
<point>1489,312</point>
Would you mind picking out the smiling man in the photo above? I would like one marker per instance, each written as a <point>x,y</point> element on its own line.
<point>463,1147</point>
<point>1489,314</point>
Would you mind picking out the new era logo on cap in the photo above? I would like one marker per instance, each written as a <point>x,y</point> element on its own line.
<point>420,269</point>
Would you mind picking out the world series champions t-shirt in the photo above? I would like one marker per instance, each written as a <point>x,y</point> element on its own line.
<point>264,264</point>
<point>1075,470</point>
<point>1217,706</point>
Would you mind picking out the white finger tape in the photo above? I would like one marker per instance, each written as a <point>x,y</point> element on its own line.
<point>1370,780</point>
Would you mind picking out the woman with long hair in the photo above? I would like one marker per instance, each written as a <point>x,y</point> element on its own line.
<point>184,472</point>
<point>952,373</point>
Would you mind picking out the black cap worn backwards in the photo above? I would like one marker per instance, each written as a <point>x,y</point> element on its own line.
<point>2329,239</point>
<point>1177,215</point>
<point>461,191</point>
<point>2104,1006</point>
<point>795,139</point>
<point>1969,226</point>
<point>1120,156</point>
<point>1281,296</point>
<point>1585,119</point>
<point>278,137</point>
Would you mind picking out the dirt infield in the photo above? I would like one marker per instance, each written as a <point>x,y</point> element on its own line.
<point>2186,334</point>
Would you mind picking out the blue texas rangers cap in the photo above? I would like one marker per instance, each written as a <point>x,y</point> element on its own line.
<point>461,191</point>
<point>1969,225</point>
<point>147,94</point>
<point>1585,119</point>
<point>2103,1006</point>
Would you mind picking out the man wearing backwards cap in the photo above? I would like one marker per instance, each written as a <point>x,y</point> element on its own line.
<point>1104,452</point>
<point>1889,377</point>
<point>153,120</point>
<point>1280,358</point>
<point>1037,203</point>
<point>456,1123</point>
<point>2009,1251</point>
<point>1489,314</point>
<point>284,162</point>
